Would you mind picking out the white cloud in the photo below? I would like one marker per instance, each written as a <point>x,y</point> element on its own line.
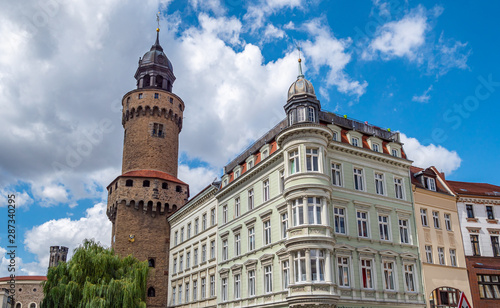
<point>424,97</point>
<point>197,178</point>
<point>431,155</point>
<point>259,11</point>
<point>65,232</point>
<point>327,50</point>
<point>401,38</point>
<point>214,6</point>
<point>448,54</point>
<point>272,32</point>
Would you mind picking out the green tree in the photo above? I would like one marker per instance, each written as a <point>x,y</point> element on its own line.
<point>96,278</point>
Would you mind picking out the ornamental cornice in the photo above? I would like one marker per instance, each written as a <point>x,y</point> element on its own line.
<point>479,200</point>
<point>366,153</point>
<point>190,206</point>
<point>303,129</point>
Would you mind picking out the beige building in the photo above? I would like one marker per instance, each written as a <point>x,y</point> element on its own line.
<point>29,291</point>
<point>443,260</point>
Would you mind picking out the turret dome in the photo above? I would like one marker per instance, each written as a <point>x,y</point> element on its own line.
<point>301,86</point>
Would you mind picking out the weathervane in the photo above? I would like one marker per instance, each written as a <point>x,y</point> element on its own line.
<point>158,21</point>
<point>300,64</point>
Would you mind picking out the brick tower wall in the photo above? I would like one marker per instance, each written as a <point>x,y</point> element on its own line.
<point>142,150</point>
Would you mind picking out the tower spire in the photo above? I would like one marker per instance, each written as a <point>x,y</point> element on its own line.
<point>158,29</point>
<point>301,75</point>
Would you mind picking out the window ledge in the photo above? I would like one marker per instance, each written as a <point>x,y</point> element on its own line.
<point>471,219</point>
<point>492,221</point>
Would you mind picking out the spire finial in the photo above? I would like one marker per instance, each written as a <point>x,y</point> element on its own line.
<point>158,29</point>
<point>301,75</point>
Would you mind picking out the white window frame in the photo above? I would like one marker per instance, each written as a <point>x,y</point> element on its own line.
<point>203,287</point>
<point>312,159</point>
<point>224,289</point>
<point>441,256</point>
<point>384,224</point>
<point>251,283</point>
<point>195,257</point>
<point>423,217</point>
<point>196,226</point>
<point>237,286</point>
<point>404,230</point>
<point>428,254</point>
<point>370,285</point>
<point>251,238</point>
<point>265,190</point>
<point>284,225</point>
<point>294,161</point>
<point>453,257</point>
<point>359,182</point>
<point>435,219</point>
<point>447,221</point>
<point>251,200</point>
<point>317,257</point>
<point>188,259</point>
<point>315,218</point>
<point>355,141</point>
<point>237,207</point>
<point>237,244</point>
<point>224,214</point>
<point>195,290</point>
<point>225,248</point>
<point>399,193</point>
<point>285,274</point>
<point>267,232</point>
<point>364,223</point>
<point>300,264</point>
<point>212,249</point>
<point>212,217</point>
<point>187,292</point>
<point>204,221</point>
<point>344,271</point>
<point>189,231</point>
<point>429,183</point>
<point>389,275</point>
<point>337,178</point>
<point>298,217</point>
<point>204,253</point>
<point>410,274</point>
<point>376,147</point>
<point>338,218</point>
<point>380,183</point>
<point>212,285</point>
<point>268,279</point>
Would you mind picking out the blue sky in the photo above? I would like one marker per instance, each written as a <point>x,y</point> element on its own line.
<point>427,69</point>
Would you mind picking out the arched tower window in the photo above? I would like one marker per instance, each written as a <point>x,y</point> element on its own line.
<point>146,80</point>
<point>151,262</point>
<point>145,183</point>
<point>18,305</point>
<point>178,188</point>
<point>169,86</point>
<point>159,81</point>
<point>151,292</point>
<point>129,183</point>
<point>174,207</point>
<point>32,305</point>
<point>164,185</point>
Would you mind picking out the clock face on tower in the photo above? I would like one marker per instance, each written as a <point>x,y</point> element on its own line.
<point>161,59</point>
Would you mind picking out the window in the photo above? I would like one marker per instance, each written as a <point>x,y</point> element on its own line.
<point>285,274</point>
<point>282,181</point>
<point>196,224</point>
<point>312,159</point>
<point>237,208</point>
<point>212,217</point>
<point>267,232</point>
<point>470,210</point>
<point>383,224</point>
<point>336,174</point>
<point>355,141</point>
<point>236,174</point>
<point>140,95</point>
<point>181,262</point>
<point>300,266</point>
<point>145,183</point>
<point>180,294</point>
<point>375,147</point>
<point>224,289</point>
<point>265,190</point>
<point>335,136</point>
<point>495,245</point>
<point>175,237</point>
<point>453,257</point>
<point>129,183</point>
<point>447,222</point>
<point>343,271</point>
<point>151,292</point>
<point>395,153</point>
<point>195,257</point>
<point>204,222</point>
<point>284,224</point>
<point>157,130</point>
<point>310,116</point>
<point>188,260</point>
<point>182,234</point>
<point>195,290</point>
<point>225,253</point>
<point>358,179</point>
<point>164,185</point>
<point>250,165</point>
<point>314,210</point>
<point>237,286</point>
<point>409,277</point>
<point>441,256</point>
<point>489,212</point>
<point>251,239</point>
<point>203,253</point>
<point>362,223</point>
<point>388,275</point>
<point>178,188</point>
<point>212,285</point>
<point>423,216</point>
<point>340,220</point>
<point>187,292</point>
<point>398,188</point>
<point>301,116</point>
<point>404,231</point>
<point>212,249</point>
<point>298,212</point>
<point>224,214</point>
<point>250,199</point>
<point>251,283</point>
<point>317,265</point>
<point>474,240</point>
<point>489,286</point>
<point>268,279</point>
<point>174,266</point>
<point>151,262</point>
<point>203,288</point>
<point>157,95</point>
<point>264,154</point>
<point>294,161</point>
<point>435,218</point>
<point>366,274</point>
<point>173,295</point>
<point>429,183</point>
<point>379,183</point>
<point>237,244</point>
<point>189,231</point>
<point>428,253</point>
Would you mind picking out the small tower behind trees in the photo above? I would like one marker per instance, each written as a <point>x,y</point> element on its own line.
<point>57,254</point>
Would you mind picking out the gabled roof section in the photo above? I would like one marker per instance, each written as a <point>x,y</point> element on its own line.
<point>475,189</point>
<point>441,184</point>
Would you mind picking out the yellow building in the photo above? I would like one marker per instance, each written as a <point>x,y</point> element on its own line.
<point>442,254</point>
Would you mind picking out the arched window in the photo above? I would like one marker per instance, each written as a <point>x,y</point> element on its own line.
<point>18,305</point>
<point>32,305</point>
<point>178,188</point>
<point>146,80</point>
<point>174,208</point>
<point>151,292</point>
<point>151,262</point>
<point>159,81</point>
<point>129,183</point>
<point>145,183</point>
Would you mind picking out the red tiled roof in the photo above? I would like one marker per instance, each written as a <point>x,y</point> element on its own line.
<point>431,171</point>
<point>150,174</point>
<point>25,278</point>
<point>476,189</point>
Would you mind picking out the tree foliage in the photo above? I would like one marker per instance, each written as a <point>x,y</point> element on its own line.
<point>96,278</point>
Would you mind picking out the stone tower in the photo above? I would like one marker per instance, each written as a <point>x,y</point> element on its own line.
<point>148,191</point>
<point>57,254</point>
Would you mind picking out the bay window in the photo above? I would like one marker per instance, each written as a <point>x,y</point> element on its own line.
<point>314,209</point>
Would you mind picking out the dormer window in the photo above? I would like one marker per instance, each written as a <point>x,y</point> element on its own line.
<point>264,154</point>
<point>335,136</point>
<point>395,153</point>
<point>311,116</point>
<point>375,147</point>
<point>236,174</point>
<point>250,164</point>
<point>355,141</point>
<point>429,183</point>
